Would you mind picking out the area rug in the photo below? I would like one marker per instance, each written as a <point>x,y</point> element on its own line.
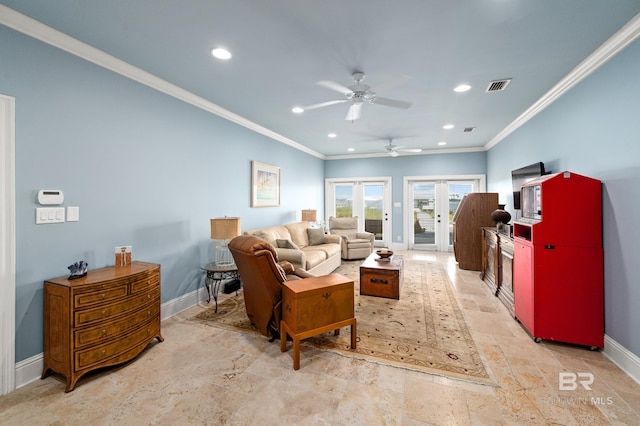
<point>424,330</point>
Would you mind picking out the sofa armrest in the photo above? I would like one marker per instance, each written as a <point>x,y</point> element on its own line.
<point>333,238</point>
<point>296,257</point>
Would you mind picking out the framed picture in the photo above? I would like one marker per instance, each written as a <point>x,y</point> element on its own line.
<point>265,185</point>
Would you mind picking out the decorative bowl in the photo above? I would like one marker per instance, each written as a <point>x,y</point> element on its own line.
<point>384,254</point>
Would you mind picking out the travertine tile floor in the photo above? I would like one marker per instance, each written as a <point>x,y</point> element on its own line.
<point>206,375</point>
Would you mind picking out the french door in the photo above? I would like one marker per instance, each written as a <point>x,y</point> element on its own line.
<point>367,198</point>
<point>430,203</point>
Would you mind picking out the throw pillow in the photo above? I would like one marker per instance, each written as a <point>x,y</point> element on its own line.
<point>286,244</point>
<point>316,236</point>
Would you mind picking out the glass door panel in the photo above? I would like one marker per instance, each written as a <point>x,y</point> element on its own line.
<point>373,209</point>
<point>424,211</point>
<point>344,200</point>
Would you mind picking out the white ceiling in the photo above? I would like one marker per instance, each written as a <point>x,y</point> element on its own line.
<point>281,48</point>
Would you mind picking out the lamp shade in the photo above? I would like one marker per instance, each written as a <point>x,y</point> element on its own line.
<point>309,215</point>
<point>225,228</point>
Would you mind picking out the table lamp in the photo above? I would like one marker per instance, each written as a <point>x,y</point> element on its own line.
<point>224,229</point>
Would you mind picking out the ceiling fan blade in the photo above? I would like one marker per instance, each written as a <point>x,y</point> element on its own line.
<point>332,85</point>
<point>393,153</point>
<point>391,83</point>
<point>354,112</point>
<point>324,104</point>
<point>410,150</point>
<point>391,102</point>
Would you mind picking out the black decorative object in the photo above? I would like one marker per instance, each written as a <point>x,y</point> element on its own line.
<point>500,215</point>
<point>78,270</point>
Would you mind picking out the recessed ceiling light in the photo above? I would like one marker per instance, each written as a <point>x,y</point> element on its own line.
<point>448,126</point>
<point>350,149</point>
<point>332,135</point>
<point>221,53</point>
<point>297,110</point>
<point>441,143</point>
<point>462,88</point>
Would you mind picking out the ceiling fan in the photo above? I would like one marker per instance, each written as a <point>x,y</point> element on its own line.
<point>394,150</point>
<point>358,93</point>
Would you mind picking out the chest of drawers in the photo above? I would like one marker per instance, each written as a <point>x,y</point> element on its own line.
<point>105,318</point>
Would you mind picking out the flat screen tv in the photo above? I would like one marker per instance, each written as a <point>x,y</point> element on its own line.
<point>524,175</point>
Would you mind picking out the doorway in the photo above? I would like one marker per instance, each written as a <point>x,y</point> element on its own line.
<point>367,198</point>
<point>430,203</point>
<point>7,245</point>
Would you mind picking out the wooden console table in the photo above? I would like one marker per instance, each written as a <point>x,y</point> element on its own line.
<point>105,318</point>
<point>497,265</point>
<point>313,306</point>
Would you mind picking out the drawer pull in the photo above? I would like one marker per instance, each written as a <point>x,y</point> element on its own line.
<point>104,333</point>
<point>326,295</point>
<point>104,353</point>
<point>104,313</point>
<point>288,308</point>
<point>148,296</point>
<point>103,296</point>
<point>379,281</point>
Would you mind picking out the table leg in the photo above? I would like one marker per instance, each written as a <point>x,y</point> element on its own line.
<point>353,334</point>
<point>296,352</point>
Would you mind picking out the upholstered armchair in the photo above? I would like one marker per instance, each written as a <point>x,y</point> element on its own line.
<point>262,277</point>
<point>355,244</point>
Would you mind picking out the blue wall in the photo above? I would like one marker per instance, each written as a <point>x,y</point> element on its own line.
<point>593,130</point>
<point>145,169</point>
<point>401,166</point>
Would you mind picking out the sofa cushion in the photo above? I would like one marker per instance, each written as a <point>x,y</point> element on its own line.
<point>298,232</point>
<point>314,257</point>
<point>329,249</point>
<point>316,236</point>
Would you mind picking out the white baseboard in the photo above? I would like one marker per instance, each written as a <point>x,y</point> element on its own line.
<point>622,357</point>
<point>30,369</point>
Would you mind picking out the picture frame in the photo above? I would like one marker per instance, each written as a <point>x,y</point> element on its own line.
<point>265,185</point>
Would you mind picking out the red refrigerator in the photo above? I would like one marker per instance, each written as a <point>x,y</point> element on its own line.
<point>558,259</point>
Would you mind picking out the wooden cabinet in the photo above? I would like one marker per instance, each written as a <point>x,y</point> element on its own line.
<point>105,318</point>
<point>473,213</point>
<point>497,265</point>
<point>313,306</point>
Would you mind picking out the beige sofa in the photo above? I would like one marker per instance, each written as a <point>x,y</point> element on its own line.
<point>314,251</point>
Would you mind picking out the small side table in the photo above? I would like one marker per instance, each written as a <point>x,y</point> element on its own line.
<point>215,275</point>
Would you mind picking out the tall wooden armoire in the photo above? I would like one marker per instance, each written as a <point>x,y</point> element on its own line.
<point>473,213</point>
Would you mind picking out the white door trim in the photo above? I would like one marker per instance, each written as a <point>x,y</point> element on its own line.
<point>7,246</point>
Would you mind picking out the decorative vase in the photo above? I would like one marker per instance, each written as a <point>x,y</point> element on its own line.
<point>500,215</point>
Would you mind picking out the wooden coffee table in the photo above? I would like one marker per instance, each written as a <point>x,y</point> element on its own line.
<point>382,278</point>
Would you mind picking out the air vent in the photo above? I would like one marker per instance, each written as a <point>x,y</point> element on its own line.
<point>468,129</point>
<point>498,85</point>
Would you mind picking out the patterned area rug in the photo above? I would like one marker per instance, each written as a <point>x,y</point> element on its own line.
<point>423,331</point>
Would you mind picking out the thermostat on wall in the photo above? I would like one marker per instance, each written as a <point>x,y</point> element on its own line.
<point>48,197</point>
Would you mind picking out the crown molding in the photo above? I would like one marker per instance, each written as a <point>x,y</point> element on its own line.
<point>36,29</point>
<point>616,43</point>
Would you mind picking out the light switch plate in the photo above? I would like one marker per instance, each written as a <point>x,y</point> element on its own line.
<point>73,214</point>
<point>46,215</point>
